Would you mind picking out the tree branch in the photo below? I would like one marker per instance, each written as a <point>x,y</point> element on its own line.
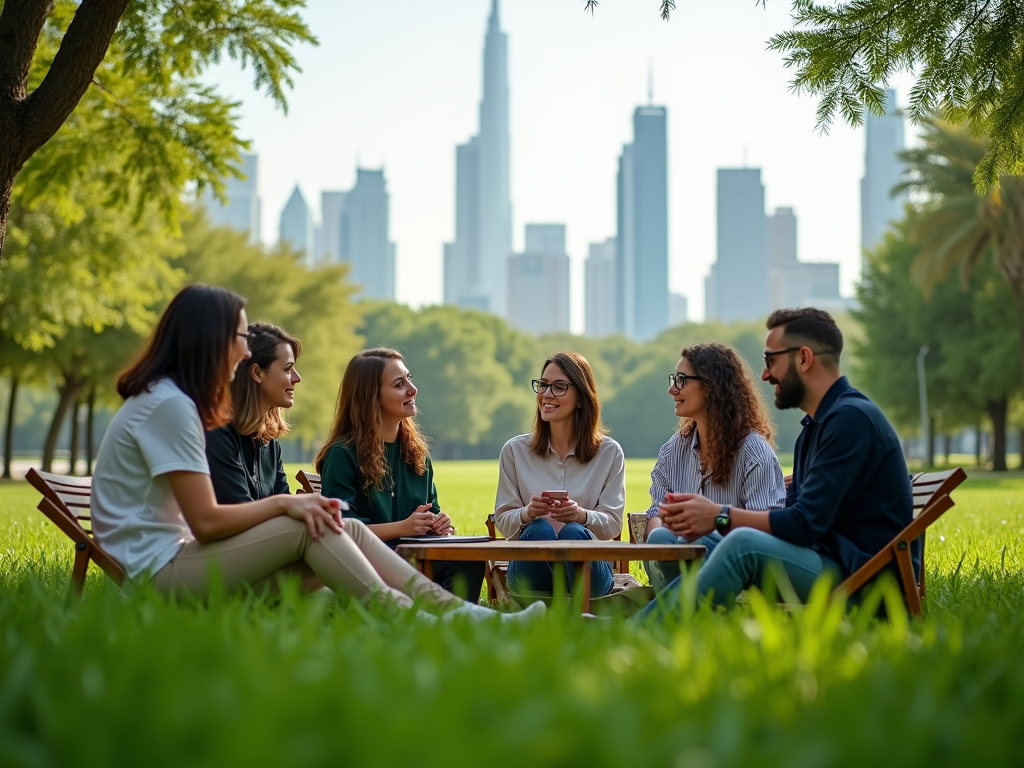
<point>21,21</point>
<point>81,51</point>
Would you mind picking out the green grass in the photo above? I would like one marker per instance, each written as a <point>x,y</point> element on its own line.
<point>139,680</point>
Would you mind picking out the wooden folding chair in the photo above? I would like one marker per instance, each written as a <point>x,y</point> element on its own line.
<point>309,482</point>
<point>931,499</point>
<point>66,502</point>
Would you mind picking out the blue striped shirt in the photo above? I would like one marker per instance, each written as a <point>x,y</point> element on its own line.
<point>755,483</point>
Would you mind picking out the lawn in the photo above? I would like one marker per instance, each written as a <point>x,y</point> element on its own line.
<point>139,680</point>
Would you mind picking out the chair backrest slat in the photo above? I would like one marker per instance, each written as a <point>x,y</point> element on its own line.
<point>309,482</point>
<point>63,498</point>
<point>930,486</point>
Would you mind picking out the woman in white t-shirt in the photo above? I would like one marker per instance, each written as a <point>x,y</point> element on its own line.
<point>154,508</point>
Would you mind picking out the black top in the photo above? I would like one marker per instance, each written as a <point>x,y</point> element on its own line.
<point>243,469</point>
<point>851,491</point>
<point>403,490</point>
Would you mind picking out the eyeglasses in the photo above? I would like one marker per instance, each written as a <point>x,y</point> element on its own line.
<point>558,388</point>
<point>769,355</point>
<point>678,380</point>
<point>247,336</point>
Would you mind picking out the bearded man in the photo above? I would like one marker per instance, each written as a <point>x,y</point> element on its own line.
<point>851,492</point>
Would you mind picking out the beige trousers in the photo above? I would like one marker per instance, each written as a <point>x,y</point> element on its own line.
<point>354,562</point>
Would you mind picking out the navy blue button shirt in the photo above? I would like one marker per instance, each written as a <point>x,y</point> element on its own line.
<point>851,491</point>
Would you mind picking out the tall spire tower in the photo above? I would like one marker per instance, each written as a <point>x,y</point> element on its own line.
<point>476,263</point>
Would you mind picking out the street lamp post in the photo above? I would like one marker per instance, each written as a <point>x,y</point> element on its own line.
<point>923,396</point>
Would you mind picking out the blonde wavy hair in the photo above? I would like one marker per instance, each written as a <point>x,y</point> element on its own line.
<point>249,418</point>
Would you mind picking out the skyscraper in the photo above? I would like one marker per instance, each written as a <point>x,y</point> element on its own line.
<point>296,227</point>
<point>642,240</point>
<point>332,206</point>
<point>363,236</point>
<point>538,281</point>
<point>737,288</point>
<point>475,263</point>
<point>781,254</point>
<point>600,290</point>
<point>678,309</point>
<point>883,140</point>
<point>242,209</point>
<point>795,283</point>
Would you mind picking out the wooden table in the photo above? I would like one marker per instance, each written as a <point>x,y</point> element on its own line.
<point>580,553</point>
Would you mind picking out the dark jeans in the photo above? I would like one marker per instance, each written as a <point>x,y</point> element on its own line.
<point>742,559</point>
<point>460,578</point>
<point>531,578</point>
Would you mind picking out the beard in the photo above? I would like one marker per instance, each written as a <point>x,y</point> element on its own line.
<point>791,390</point>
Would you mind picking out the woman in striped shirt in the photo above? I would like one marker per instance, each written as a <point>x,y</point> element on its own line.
<point>722,450</point>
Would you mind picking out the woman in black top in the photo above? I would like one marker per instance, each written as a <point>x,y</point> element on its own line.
<point>245,456</point>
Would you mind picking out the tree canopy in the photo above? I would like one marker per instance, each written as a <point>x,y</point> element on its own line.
<point>973,362</point>
<point>97,78</point>
<point>967,55</point>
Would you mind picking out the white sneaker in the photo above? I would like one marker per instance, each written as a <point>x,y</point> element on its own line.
<point>484,613</point>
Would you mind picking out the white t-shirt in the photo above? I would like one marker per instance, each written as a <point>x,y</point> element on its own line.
<point>135,516</point>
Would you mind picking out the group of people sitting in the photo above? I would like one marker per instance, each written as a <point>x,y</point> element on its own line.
<point>189,479</point>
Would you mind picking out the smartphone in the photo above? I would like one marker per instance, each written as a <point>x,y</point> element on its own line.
<point>556,495</point>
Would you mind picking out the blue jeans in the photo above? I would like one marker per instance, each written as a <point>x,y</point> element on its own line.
<point>662,572</point>
<point>532,578</point>
<point>739,561</point>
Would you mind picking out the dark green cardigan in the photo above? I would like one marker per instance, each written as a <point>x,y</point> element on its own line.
<point>342,479</point>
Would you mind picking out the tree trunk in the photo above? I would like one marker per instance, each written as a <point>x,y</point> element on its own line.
<point>946,444</point>
<point>996,410</point>
<point>9,429</point>
<point>28,120</point>
<point>977,446</point>
<point>76,437</point>
<point>90,404</point>
<point>68,392</point>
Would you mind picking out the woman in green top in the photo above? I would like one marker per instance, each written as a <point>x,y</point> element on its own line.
<point>376,459</point>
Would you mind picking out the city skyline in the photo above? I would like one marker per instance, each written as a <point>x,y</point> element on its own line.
<point>571,99</point>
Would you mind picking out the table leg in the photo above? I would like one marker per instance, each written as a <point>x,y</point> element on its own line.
<point>557,583</point>
<point>426,567</point>
<point>582,585</point>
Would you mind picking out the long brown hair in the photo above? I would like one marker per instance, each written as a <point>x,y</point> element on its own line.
<point>590,430</point>
<point>734,404</point>
<point>358,422</point>
<point>265,342</point>
<point>191,346</point>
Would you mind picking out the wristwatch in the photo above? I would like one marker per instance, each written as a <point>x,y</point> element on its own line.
<point>722,520</point>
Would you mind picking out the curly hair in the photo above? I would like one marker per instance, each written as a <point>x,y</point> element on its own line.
<point>358,422</point>
<point>734,405</point>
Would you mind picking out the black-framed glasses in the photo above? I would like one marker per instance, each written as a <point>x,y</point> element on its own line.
<point>557,387</point>
<point>247,336</point>
<point>769,355</point>
<point>678,380</point>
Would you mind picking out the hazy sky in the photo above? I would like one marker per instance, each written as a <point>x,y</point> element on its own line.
<point>398,85</point>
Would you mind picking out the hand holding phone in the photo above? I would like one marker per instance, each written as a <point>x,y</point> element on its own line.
<point>557,497</point>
